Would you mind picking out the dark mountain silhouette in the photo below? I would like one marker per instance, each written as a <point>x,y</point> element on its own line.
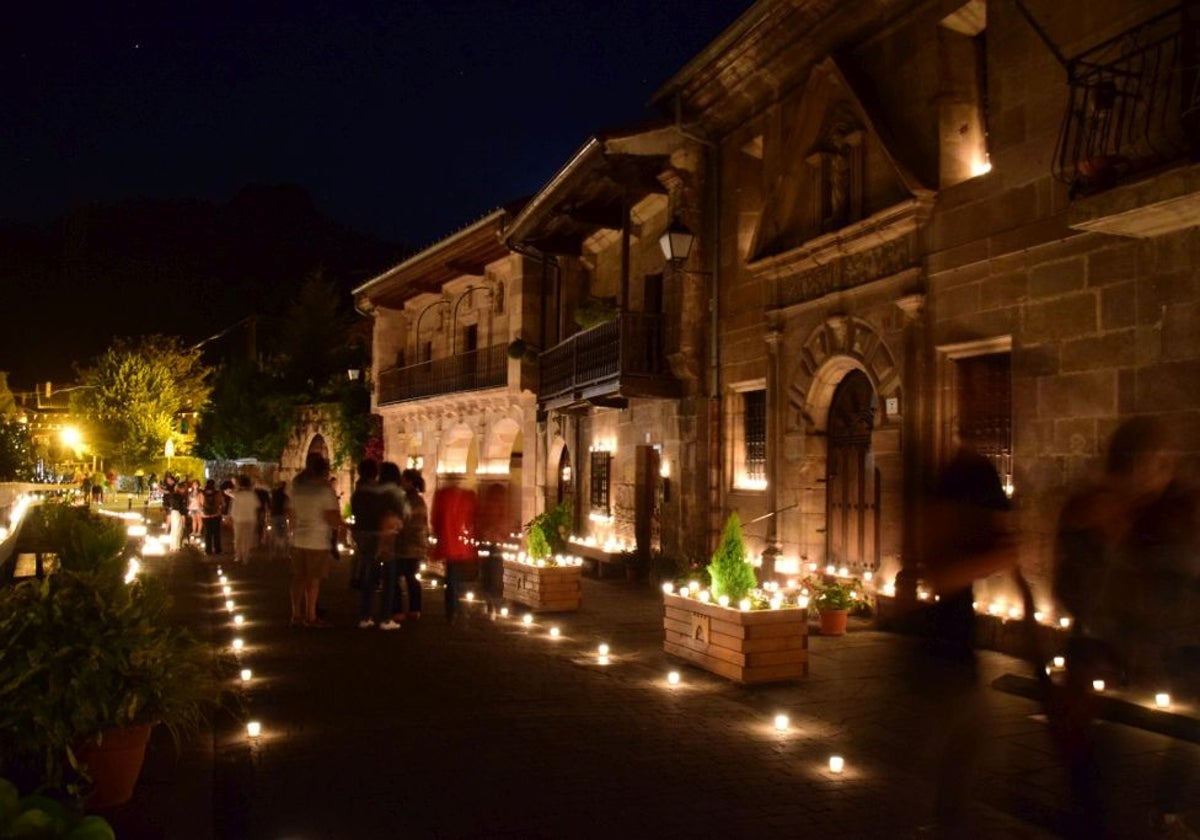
<point>181,267</point>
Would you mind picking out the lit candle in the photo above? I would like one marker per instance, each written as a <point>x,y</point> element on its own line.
<point>673,678</point>
<point>470,596</point>
<point>238,643</point>
<point>527,618</point>
<point>836,764</point>
<point>239,620</point>
<point>226,589</point>
<point>1064,622</point>
<point>668,588</point>
<point>1162,700</point>
<point>603,660</point>
<point>744,604</point>
<point>705,596</point>
<point>253,729</point>
<point>603,649</point>
<point>246,674</point>
<point>504,612</point>
<point>1060,661</point>
<point>1098,685</point>
<point>781,722</point>
<point>554,632</point>
<point>229,606</point>
<point>723,600</point>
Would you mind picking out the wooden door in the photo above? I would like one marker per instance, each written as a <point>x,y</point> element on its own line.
<point>852,509</point>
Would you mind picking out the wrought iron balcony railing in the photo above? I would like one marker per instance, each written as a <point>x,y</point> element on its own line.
<point>621,353</point>
<point>486,368</point>
<point>1134,104</point>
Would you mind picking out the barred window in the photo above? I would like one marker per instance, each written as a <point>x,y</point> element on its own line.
<point>754,438</point>
<point>600,463</point>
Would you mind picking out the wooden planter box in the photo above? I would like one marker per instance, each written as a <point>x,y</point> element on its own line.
<point>747,647</point>
<point>549,588</point>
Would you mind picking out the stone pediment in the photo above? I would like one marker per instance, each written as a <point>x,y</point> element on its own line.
<point>834,186</point>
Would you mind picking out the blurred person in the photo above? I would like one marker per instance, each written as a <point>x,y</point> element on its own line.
<point>491,531</point>
<point>379,504</point>
<point>316,517</point>
<point>280,504</point>
<point>964,538</point>
<point>243,512</point>
<point>195,506</point>
<point>412,543</point>
<point>452,519</point>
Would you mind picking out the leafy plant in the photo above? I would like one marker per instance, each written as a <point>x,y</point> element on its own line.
<point>548,531</point>
<point>592,311</point>
<point>81,652</point>
<point>84,541</point>
<point>36,816</point>
<point>730,570</point>
<point>836,594</point>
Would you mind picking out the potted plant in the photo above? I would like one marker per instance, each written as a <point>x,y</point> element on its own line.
<point>734,628</point>
<point>89,663</point>
<point>593,311</point>
<point>834,599</point>
<point>545,577</point>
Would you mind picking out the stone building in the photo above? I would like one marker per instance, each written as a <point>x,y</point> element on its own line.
<point>931,218</point>
<point>621,392</point>
<point>451,395</point>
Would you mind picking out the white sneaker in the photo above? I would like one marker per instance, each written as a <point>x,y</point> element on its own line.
<point>366,624</point>
<point>390,625</point>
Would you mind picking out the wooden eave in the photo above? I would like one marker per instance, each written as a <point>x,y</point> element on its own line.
<point>764,54</point>
<point>466,253</point>
<point>594,190</point>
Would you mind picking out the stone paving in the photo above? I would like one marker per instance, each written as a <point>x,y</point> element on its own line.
<point>492,729</point>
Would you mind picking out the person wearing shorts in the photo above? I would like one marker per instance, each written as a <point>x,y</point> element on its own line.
<point>315,517</point>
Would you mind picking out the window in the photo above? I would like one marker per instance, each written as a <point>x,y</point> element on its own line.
<point>747,425</point>
<point>963,104</point>
<point>754,407</point>
<point>600,463</point>
<point>985,408</point>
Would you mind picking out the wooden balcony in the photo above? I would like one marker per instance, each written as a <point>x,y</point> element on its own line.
<point>608,363</point>
<point>486,368</point>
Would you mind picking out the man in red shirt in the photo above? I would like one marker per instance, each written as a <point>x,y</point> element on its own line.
<point>452,519</point>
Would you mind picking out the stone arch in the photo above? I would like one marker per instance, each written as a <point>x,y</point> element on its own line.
<point>836,347</point>
<point>503,438</point>
<point>459,451</point>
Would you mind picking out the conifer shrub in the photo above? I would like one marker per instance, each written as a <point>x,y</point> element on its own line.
<point>730,570</point>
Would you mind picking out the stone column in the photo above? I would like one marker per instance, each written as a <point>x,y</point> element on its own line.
<point>774,454</point>
<point>912,421</point>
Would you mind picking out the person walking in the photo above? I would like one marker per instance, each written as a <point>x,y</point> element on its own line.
<point>316,518</point>
<point>243,512</point>
<point>453,521</point>
<point>412,544</point>
<point>212,508</point>
<point>195,507</point>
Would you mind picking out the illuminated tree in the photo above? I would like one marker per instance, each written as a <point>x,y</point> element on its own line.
<point>135,390</point>
<point>16,452</point>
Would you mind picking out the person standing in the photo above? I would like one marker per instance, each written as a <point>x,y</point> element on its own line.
<point>243,512</point>
<point>280,505</point>
<point>453,521</point>
<point>176,505</point>
<point>212,508</point>
<point>381,506</point>
<point>195,507</point>
<point>316,518</point>
<point>412,545</point>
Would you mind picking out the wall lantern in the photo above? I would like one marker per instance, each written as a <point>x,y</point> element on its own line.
<point>677,242</point>
<point>353,374</point>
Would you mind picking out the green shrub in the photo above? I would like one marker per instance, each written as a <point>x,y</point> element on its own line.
<point>40,817</point>
<point>730,570</point>
<point>548,531</point>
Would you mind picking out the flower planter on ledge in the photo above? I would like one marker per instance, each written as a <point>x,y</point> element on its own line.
<point>547,588</point>
<point>752,646</point>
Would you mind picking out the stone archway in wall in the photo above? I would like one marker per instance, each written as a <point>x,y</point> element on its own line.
<point>459,451</point>
<point>499,477</point>
<point>843,374</point>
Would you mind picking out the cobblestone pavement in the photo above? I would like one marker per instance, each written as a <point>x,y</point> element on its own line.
<point>495,729</point>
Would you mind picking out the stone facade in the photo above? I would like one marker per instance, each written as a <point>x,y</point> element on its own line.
<point>895,220</point>
<point>451,396</point>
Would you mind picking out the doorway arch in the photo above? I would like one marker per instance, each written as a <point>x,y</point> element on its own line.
<point>852,508</point>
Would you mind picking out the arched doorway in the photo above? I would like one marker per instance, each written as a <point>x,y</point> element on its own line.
<point>318,445</point>
<point>852,488</point>
<point>563,491</point>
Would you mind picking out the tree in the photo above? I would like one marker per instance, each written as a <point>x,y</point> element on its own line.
<point>16,451</point>
<point>730,570</point>
<point>249,415</point>
<point>135,390</point>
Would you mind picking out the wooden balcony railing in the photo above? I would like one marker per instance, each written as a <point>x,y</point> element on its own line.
<point>619,353</point>
<point>486,368</point>
<point>1133,105</point>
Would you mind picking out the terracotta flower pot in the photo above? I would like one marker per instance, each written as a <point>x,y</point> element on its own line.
<point>115,764</point>
<point>833,622</point>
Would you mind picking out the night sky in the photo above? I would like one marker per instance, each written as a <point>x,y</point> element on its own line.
<point>403,120</point>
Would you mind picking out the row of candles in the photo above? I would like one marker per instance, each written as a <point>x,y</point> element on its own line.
<point>238,644</point>
<point>1162,699</point>
<point>604,656</point>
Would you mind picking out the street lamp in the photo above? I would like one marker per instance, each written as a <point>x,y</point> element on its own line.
<point>676,242</point>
